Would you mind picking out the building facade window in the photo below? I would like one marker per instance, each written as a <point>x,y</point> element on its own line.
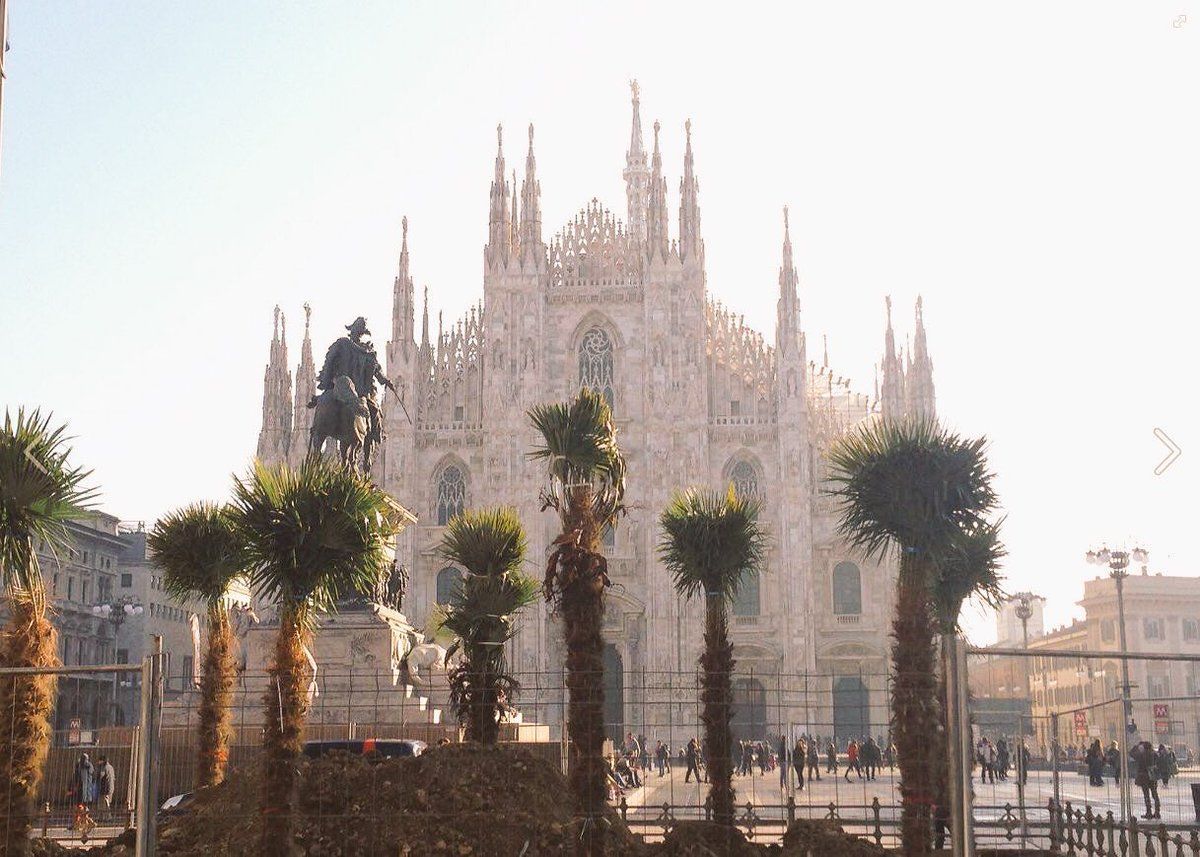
<point>1107,630</point>
<point>1191,630</point>
<point>1160,686</point>
<point>1152,629</point>
<point>744,479</point>
<point>448,580</point>
<point>746,601</point>
<point>847,589</point>
<point>451,494</point>
<point>596,363</point>
<point>126,580</point>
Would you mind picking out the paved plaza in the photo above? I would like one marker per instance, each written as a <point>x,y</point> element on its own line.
<point>854,798</point>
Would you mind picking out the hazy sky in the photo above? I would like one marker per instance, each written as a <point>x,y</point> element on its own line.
<point>171,171</point>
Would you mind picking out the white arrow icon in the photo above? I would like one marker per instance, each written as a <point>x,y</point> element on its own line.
<point>1174,453</point>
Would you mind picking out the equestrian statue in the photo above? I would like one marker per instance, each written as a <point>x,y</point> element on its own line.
<point>346,409</point>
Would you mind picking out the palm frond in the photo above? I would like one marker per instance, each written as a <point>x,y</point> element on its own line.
<point>968,567</point>
<point>489,542</point>
<point>711,541</point>
<point>40,491</point>
<point>579,446</point>
<point>312,533</point>
<point>199,551</point>
<point>908,484</point>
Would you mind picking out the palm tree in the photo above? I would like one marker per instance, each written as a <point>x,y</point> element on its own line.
<point>309,534</point>
<point>710,543</point>
<point>40,490</point>
<point>968,568</point>
<point>911,487</point>
<point>587,488</point>
<point>198,550</point>
<point>481,614</point>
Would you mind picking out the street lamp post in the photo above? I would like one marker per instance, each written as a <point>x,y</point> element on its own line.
<point>1117,562</point>
<point>116,612</point>
<point>1024,612</point>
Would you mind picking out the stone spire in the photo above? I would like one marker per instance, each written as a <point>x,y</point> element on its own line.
<point>306,389</point>
<point>425,322</point>
<point>531,207</point>
<point>657,235</point>
<point>691,245</point>
<point>919,383</point>
<point>891,392</point>
<point>276,430</point>
<point>403,309</point>
<point>514,230</point>
<point>787,330</point>
<point>499,217</point>
<point>637,178</point>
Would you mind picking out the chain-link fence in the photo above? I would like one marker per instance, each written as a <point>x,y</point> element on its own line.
<point>1111,742</point>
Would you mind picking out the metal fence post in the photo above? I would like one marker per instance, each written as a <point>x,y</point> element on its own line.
<point>151,716</point>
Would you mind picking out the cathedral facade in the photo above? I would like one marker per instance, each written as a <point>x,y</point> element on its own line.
<point>699,398</point>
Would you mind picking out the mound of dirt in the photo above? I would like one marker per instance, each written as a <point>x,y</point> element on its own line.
<point>825,839</point>
<point>706,839</point>
<point>460,799</point>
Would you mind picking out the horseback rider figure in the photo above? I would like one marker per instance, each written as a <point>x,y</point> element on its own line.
<point>347,379</point>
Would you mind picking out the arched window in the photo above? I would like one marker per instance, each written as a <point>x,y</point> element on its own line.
<point>451,494</point>
<point>745,479</point>
<point>448,580</point>
<point>746,599</point>
<point>847,589</point>
<point>596,363</point>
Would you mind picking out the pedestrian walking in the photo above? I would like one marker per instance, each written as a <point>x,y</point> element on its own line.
<point>106,786</point>
<point>799,757</point>
<point>1146,776</point>
<point>692,755</point>
<point>852,763</point>
<point>814,760</point>
<point>1095,764</point>
<point>1168,765</point>
<point>831,760</point>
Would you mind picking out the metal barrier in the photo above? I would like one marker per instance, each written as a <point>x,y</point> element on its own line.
<point>98,775</point>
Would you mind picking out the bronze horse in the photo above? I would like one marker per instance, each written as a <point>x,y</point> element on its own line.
<point>341,414</point>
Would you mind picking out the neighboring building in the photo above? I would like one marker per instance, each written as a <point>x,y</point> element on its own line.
<point>1162,615</point>
<point>698,397</point>
<point>181,625</point>
<point>1009,630</point>
<point>78,578</point>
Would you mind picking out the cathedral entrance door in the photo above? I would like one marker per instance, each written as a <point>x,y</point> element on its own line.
<point>614,694</point>
<point>749,721</point>
<point>851,720</point>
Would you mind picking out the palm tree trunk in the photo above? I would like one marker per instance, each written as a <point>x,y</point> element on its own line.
<point>284,706</point>
<point>216,697</point>
<point>915,707</point>
<point>25,705</point>
<point>583,617</point>
<point>716,697</point>
<point>481,719</point>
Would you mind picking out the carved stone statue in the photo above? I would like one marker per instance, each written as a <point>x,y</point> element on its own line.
<point>388,591</point>
<point>346,408</point>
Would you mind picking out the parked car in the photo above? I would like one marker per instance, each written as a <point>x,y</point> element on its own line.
<point>388,748</point>
<point>176,804</point>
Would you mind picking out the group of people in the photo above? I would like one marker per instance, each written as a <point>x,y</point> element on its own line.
<point>1147,765</point>
<point>94,784</point>
<point>996,759</point>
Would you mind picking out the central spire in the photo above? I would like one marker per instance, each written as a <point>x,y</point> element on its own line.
<point>531,206</point>
<point>788,321</point>
<point>637,177</point>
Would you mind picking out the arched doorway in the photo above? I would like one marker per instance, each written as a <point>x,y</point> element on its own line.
<point>851,719</point>
<point>614,694</point>
<point>749,710</point>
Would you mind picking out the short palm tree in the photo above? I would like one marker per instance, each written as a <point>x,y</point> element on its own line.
<point>310,534</point>
<point>586,488</point>
<point>911,487</point>
<point>40,490</point>
<point>199,553</point>
<point>710,543</point>
<point>482,614</point>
